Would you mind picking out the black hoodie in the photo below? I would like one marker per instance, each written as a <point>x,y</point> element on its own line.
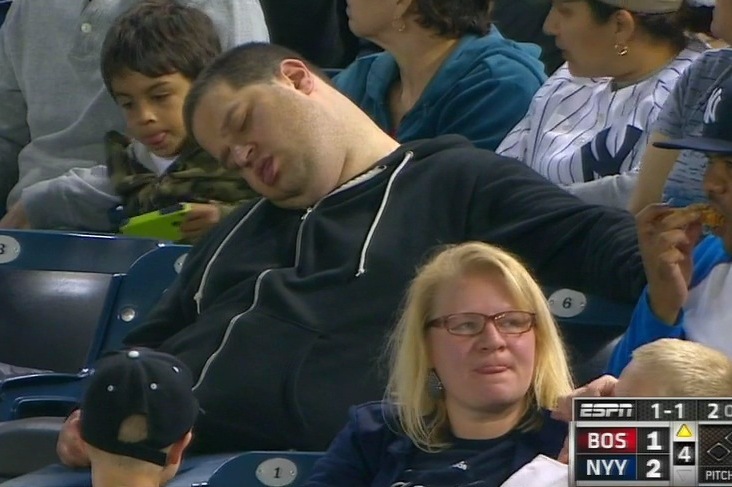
<point>282,314</point>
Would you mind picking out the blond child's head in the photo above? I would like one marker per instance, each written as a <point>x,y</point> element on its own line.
<point>681,368</point>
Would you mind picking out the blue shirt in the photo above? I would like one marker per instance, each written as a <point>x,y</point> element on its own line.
<point>371,452</point>
<point>481,90</point>
<point>477,463</point>
<point>706,295</point>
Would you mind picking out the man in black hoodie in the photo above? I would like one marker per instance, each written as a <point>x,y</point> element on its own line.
<point>281,311</point>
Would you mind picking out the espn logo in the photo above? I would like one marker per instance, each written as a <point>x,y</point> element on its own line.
<point>606,410</point>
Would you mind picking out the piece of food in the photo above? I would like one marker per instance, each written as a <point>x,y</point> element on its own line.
<point>710,217</point>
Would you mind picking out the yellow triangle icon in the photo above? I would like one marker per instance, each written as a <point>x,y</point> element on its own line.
<point>684,432</point>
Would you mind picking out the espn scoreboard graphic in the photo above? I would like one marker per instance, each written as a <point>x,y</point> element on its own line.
<point>642,442</point>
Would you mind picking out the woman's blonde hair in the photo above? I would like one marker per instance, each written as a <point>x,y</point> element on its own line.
<point>422,417</point>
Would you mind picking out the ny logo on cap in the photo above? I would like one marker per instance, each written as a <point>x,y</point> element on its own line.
<point>710,115</point>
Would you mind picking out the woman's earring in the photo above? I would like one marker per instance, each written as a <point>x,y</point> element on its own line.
<point>621,50</point>
<point>434,385</point>
<point>399,24</point>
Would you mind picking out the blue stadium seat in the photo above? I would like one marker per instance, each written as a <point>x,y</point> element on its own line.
<point>247,469</point>
<point>27,442</point>
<point>140,290</point>
<point>590,326</point>
<point>70,251</point>
<point>136,292</point>
<point>574,307</point>
<point>55,290</point>
<point>250,469</point>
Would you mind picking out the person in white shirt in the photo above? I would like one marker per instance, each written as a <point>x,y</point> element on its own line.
<point>588,124</point>
<point>690,369</point>
<point>54,107</point>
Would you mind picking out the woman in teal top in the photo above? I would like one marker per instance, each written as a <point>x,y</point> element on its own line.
<point>445,69</point>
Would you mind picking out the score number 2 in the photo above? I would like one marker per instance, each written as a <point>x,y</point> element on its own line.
<point>715,408</point>
<point>654,468</point>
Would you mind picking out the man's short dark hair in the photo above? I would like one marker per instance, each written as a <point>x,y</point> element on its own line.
<point>159,37</point>
<point>244,65</point>
<point>454,18</point>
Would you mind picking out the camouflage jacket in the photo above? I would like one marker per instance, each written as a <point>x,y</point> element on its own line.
<point>194,177</point>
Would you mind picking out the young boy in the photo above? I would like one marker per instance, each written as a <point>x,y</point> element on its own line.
<point>689,285</point>
<point>150,56</point>
<point>136,418</point>
<point>664,368</point>
<point>54,108</point>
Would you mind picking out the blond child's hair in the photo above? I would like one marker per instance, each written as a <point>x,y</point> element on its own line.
<point>684,368</point>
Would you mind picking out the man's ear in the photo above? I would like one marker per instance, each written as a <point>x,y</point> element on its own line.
<point>296,73</point>
<point>175,454</point>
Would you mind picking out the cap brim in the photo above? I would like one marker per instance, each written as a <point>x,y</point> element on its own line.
<point>700,144</point>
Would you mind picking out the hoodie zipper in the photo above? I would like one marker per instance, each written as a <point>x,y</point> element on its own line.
<point>257,286</point>
<point>384,200</point>
<point>198,296</point>
<point>230,327</point>
<point>303,218</point>
<point>308,211</point>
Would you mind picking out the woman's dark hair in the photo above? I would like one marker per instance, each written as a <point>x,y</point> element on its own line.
<point>159,37</point>
<point>672,27</point>
<point>454,18</point>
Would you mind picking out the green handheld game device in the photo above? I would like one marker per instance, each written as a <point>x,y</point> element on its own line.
<point>162,224</point>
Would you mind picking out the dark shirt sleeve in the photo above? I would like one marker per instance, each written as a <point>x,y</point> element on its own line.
<point>565,242</point>
<point>346,463</point>
<point>175,310</point>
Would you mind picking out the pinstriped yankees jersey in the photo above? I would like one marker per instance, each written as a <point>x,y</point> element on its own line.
<point>582,129</point>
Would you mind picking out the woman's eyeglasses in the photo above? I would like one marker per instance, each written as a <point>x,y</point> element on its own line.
<point>471,324</point>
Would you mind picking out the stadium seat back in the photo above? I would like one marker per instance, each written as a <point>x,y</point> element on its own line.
<point>247,469</point>
<point>66,251</point>
<point>141,288</point>
<point>56,289</point>
<point>135,293</point>
<point>49,318</point>
<point>591,327</point>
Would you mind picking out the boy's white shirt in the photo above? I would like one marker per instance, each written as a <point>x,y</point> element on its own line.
<point>156,164</point>
<point>542,471</point>
<point>708,309</point>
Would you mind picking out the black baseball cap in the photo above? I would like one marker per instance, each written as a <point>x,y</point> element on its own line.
<point>716,137</point>
<point>138,381</point>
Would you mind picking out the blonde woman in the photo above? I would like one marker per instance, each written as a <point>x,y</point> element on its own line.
<point>476,362</point>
